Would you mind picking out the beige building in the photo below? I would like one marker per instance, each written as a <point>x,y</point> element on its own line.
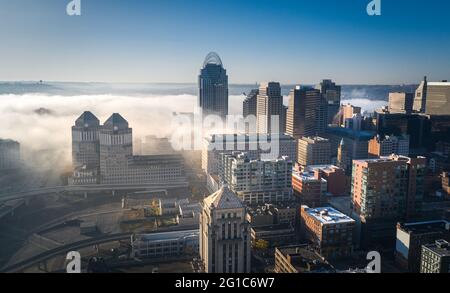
<point>314,151</point>
<point>269,105</point>
<point>401,103</point>
<point>433,98</point>
<point>224,234</point>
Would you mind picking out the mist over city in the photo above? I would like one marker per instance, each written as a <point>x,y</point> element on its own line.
<point>225,144</point>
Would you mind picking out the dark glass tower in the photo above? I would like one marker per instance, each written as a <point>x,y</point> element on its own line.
<point>213,87</point>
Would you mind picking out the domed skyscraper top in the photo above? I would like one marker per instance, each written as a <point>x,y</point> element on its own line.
<point>213,87</point>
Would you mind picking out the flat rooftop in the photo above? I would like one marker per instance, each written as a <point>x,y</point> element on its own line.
<point>426,226</point>
<point>329,215</point>
<point>167,236</point>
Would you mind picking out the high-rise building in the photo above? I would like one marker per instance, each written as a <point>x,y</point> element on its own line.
<point>385,191</point>
<point>328,230</point>
<point>388,145</point>
<point>85,142</point>
<point>435,258</point>
<point>433,98</point>
<point>213,87</point>
<point>347,112</point>
<point>249,104</point>
<point>303,114</point>
<point>9,154</point>
<point>314,151</point>
<point>116,164</point>
<point>224,234</point>
<point>272,148</point>
<point>256,181</point>
<point>331,94</point>
<point>269,106</point>
<point>116,147</point>
<point>401,103</point>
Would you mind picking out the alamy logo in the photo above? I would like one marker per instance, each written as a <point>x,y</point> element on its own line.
<point>74,8</point>
<point>374,8</point>
<point>74,264</point>
<point>374,266</point>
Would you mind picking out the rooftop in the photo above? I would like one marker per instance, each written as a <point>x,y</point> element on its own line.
<point>328,215</point>
<point>167,236</point>
<point>304,259</point>
<point>426,226</point>
<point>440,247</point>
<point>87,119</point>
<point>224,199</point>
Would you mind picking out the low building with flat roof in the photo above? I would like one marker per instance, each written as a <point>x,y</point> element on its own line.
<point>328,230</point>
<point>280,234</point>
<point>165,244</point>
<point>436,257</point>
<point>300,259</point>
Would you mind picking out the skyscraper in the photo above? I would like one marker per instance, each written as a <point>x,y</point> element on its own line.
<point>85,141</point>
<point>433,98</point>
<point>401,103</point>
<point>213,87</point>
<point>9,154</point>
<point>314,151</point>
<point>116,146</point>
<point>249,104</point>
<point>331,94</point>
<point>303,117</point>
<point>224,234</point>
<point>269,104</point>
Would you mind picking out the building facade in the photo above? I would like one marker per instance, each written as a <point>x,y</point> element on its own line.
<point>331,93</point>
<point>329,231</point>
<point>388,145</point>
<point>256,181</point>
<point>269,106</point>
<point>225,239</point>
<point>304,114</point>
<point>435,258</point>
<point>9,154</point>
<point>314,151</point>
<point>213,87</point>
<point>401,103</point>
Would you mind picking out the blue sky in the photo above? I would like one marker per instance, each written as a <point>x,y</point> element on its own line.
<point>291,41</point>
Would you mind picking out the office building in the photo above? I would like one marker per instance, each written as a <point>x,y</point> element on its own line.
<point>347,112</point>
<point>314,151</point>
<point>433,98</point>
<point>353,145</point>
<point>300,259</point>
<point>304,113</point>
<point>331,93</point>
<point>435,258</point>
<point>9,154</point>
<point>272,147</point>
<point>256,181</point>
<point>249,104</point>
<point>269,106</point>
<point>416,126</point>
<point>166,244</point>
<point>388,145</point>
<point>329,231</point>
<point>401,103</point>
<point>85,142</point>
<point>224,234</point>
<point>411,237</point>
<point>116,164</point>
<point>213,87</point>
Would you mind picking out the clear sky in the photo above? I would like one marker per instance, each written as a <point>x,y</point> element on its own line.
<point>291,41</point>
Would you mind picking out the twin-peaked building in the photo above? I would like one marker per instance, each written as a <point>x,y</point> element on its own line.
<point>103,154</point>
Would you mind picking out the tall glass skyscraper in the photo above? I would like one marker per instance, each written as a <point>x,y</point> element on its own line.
<point>213,87</point>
